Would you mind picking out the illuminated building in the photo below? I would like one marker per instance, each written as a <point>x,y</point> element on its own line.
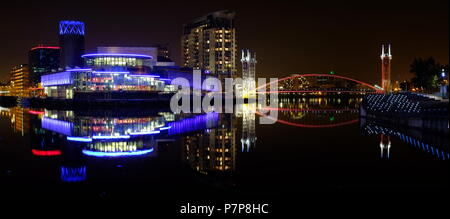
<point>71,41</point>
<point>105,72</point>
<point>41,60</point>
<point>386,58</point>
<point>295,82</point>
<point>20,80</point>
<point>209,43</point>
<point>163,51</point>
<point>248,74</point>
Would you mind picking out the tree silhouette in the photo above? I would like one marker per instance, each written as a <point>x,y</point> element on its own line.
<point>426,73</point>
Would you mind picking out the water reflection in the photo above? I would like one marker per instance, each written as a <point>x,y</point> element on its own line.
<point>317,112</point>
<point>212,150</point>
<point>435,144</point>
<point>209,144</point>
<point>248,137</point>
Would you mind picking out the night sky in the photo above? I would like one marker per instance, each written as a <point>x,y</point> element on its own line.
<point>308,37</point>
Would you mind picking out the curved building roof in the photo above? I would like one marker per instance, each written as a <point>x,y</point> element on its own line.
<point>116,55</point>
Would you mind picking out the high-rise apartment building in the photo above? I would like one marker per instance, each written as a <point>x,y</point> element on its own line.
<point>209,44</point>
<point>20,80</point>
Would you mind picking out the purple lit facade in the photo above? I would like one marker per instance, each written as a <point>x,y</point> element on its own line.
<point>62,78</point>
<point>200,122</point>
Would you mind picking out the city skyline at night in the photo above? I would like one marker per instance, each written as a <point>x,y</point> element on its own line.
<point>226,108</point>
<point>304,38</point>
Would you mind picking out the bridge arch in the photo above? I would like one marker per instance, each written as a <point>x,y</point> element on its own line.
<point>323,75</point>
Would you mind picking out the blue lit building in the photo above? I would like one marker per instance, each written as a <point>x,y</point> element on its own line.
<point>71,41</point>
<point>113,73</point>
<point>105,72</point>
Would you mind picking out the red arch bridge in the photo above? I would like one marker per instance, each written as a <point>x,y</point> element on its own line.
<point>319,83</point>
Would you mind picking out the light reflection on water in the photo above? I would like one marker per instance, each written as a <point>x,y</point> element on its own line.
<point>210,145</point>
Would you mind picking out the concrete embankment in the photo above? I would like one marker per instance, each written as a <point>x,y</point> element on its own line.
<point>408,110</point>
<point>103,99</point>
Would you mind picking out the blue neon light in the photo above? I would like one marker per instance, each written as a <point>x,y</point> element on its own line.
<point>111,137</point>
<point>62,78</point>
<point>111,72</point>
<point>116,154</point>
<point>79,139</point>
<point>117,54</point>
<point>71,27</point>
<point>145,133</point>
<point>165,79</point>
<point>80,69</point>
<point>165,128</point>
<point>148,76</point>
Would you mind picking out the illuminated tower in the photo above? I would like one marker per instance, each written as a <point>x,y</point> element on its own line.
<point>71,41</point>
<point>386,58</point>
<point>248,74</point>
<point>385,146</point>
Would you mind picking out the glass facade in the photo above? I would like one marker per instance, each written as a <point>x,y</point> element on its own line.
<point>137,64</point>
<point>91,81</point>
<point>105,72</point>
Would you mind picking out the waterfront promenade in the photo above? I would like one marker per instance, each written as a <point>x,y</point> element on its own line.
<point>407,109</point>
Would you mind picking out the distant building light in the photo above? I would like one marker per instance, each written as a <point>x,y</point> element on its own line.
<point>378,87</point>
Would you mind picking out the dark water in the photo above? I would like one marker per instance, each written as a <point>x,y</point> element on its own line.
<point>319,145</point>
